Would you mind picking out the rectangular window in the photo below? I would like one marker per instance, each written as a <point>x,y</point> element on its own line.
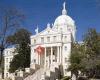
<point>34,41</point>
<point>6,74</point>
<point>6,52</point>
<point>65,38</point>
<point>66,60</point>
<point>42,40</point>
<point>34,60</point>
<point>65,48</point>
<point>10,52</point>
<point>48,39</point>
<point>7,67</point>
<point>54,38</point>
<point>6,60</point>
<point>34,50</point>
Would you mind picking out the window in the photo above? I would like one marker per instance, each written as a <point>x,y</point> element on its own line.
<point>48,39</point>
<point>7,67</point>
<point>66,60</point>
<point>7,60</point>
<point>34,50</point>
<point>65,38</point>
<point>34,41</point>
<point>69,29</point>
<point>65,48</point>
<point>6,53</point>
<point>53,60</point>
<point>53,53</point>
<point>54,38</point>
<point>42,40</point>
<point>61,29</point>
<point>34,60</point>
<point>10,52</point>
<point>66,71</point>
<point>6,74</point>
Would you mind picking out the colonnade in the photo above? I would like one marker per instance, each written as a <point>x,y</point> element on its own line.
<point>59,55</point>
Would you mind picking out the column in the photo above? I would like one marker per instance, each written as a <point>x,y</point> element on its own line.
<point>58,57</point>
<point>51,55</point>
<point>39,59</point>
<point>45,57</point>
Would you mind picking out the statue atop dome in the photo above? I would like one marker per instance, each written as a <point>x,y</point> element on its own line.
<point>64,12</point>
<point>64,4</point>
<point>37,30</point>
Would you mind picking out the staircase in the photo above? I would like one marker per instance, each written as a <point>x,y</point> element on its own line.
<point>38,75</point>
<point>51,73</point>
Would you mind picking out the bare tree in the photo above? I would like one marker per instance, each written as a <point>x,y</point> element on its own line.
<point>10,21</point>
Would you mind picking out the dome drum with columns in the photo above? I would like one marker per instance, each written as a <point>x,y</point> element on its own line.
<point>56,40</point>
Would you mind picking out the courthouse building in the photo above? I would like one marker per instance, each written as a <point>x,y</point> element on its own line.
<point>52,46</point>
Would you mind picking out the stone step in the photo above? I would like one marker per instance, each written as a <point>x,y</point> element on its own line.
<point>18,78</point>
<point>51,73</point>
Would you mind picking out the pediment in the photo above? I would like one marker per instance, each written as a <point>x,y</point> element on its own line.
<point>47,31</point>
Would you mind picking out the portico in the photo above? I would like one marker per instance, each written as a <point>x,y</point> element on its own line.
<point>51,54</point>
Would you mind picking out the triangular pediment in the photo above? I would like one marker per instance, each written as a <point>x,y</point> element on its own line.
<point>47,31</point>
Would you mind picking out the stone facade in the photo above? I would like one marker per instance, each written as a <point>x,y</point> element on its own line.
<point>8,56</point>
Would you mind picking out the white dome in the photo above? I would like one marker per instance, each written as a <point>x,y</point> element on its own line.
<point>64,20</point>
